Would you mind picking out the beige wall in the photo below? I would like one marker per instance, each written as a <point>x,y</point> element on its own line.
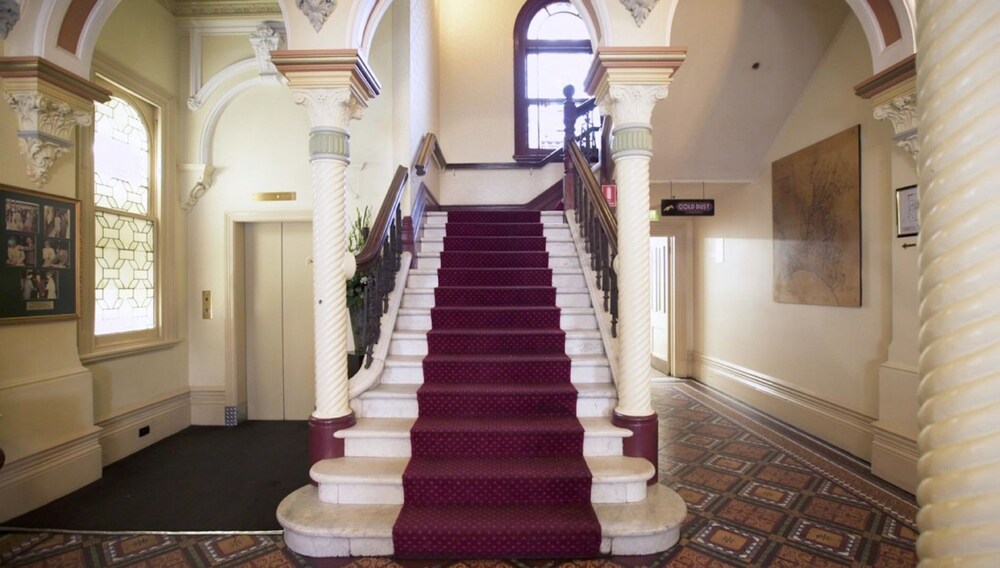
<point>261,144</point>
<point>814,366</point>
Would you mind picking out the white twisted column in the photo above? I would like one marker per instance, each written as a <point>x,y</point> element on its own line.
<point>958,79</point>
<point>631,108</point>
<point>330,111</point>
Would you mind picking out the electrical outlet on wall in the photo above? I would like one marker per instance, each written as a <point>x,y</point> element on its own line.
<point>206,304</point>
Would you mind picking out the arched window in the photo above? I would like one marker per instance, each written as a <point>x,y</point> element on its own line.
<point>551,50</point>
<point>125,298</point>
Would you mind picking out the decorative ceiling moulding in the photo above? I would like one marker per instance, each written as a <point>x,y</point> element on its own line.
<point>317,11</point>
<point>640,9</point>
<point>49,102</point>
<point>209,8</point>
<point>10,13</point>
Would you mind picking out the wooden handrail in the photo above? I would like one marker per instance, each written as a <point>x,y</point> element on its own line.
<point>430,147</point>
<point>379,232</point>
<point>592,192</point>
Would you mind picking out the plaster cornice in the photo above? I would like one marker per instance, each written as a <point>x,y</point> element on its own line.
<point>887,79</point>
<point>644,65</point>
<point>326,68</point>
<point>192,8</point>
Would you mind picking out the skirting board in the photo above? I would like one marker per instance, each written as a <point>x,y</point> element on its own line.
<point>35,480</point>
<point>121,435</point>
<point>845,428</point>
<point>208,406</point>
<point>894,458</point>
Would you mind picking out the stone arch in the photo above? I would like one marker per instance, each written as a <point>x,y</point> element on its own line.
<point>889,26</point>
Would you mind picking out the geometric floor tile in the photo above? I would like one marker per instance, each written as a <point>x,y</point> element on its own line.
<point>758,492</point>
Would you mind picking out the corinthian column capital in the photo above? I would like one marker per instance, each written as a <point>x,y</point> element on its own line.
<point>330,107</point>
<point>632,104</point>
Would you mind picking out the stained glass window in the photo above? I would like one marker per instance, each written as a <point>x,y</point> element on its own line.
<point>125,239</point>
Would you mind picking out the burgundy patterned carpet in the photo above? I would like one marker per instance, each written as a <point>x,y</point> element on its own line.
<point>497,464</point>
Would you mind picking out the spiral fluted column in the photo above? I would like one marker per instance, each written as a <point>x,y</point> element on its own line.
<point>334,86</point>
<point>958,80</point>
<point>628,82</point>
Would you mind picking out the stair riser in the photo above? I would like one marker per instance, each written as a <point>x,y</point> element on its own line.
<point>433,261</point>
<point>567,322</point>
<point>554,232</point>
<point>414,374</point>
<point>430,281</point>
<point>552,247</point>
<point>408,407</point>
<point>374,446</point>
<point>488,492</point>
<point>383,494</point>
<point>418,346</point>
<point>414,298</point>
<point>441,217</point>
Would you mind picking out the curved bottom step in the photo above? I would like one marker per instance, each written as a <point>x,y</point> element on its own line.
<point>320,530</point>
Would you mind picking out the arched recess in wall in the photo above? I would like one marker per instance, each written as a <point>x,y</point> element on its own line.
<point>889,26</point>
<point>367,14</point>
<point>62,32</point>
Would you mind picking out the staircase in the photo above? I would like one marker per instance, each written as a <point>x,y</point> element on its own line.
<point>508,325</point>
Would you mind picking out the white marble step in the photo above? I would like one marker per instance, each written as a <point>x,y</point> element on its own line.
<point>441,217</point>
<point>565,298</point>
<point>400,400</point>
<point>322,530</point>
<point>570,319</point>
<point>436,230</point>
<point>432,260</point>
<point>554,245</point>
<point>405,369</point>
<point>561,278</point>
<point>415,342</point>
<point>390,437</point>
<point>379,481</point>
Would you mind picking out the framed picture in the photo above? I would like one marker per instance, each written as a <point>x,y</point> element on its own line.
<point>41,251</point>
<point>907,212</point>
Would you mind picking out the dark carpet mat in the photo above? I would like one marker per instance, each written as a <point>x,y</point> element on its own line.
<point>242,472</point>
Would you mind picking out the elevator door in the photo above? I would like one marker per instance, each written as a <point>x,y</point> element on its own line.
<point>279,321</point>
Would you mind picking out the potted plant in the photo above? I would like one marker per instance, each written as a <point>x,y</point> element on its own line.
<point>356,240</point>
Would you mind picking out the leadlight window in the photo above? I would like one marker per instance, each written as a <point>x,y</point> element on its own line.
<point>125,223</point>
<point>551,50</point>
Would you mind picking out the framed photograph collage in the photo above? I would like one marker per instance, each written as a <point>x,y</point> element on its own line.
<point>38,266</point>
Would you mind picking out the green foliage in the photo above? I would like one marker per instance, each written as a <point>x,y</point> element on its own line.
<point>355,242</point>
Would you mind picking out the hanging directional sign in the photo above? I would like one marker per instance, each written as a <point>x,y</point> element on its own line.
<point>687,207</point>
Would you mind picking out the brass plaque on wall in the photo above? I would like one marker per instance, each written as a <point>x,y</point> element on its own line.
<point>274,196</point>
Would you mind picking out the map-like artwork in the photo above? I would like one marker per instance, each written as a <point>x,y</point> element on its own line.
<point>817,223</point>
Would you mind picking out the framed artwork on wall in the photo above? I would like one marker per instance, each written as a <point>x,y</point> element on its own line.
<point>816,200</point>
<point>39,276</point>
<point>907,212</point>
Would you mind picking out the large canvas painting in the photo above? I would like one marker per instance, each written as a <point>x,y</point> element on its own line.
<point>817,223</point>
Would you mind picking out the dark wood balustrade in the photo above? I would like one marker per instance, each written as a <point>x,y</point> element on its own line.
<point>598,225</point>
<point>379,261</point>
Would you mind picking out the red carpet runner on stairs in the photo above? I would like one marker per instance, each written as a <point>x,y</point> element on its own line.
<point>497,466</point>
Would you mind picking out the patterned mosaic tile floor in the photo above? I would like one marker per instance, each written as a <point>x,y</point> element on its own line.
<point>758,494</point>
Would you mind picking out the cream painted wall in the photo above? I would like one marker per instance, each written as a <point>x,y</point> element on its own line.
<point>477,79</point>
<point>261,144</point>
<point>809,353</point>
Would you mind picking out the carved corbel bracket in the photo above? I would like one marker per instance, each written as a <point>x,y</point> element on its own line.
<point>49,102</point>
<point>10,13</point>
<point>901,112</point>
<point>317,11</point>
<point>205,176</point>
<point>640,9</point>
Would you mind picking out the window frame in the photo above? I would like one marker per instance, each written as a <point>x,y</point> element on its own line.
<point>523,46</point>
<point>155,108</point>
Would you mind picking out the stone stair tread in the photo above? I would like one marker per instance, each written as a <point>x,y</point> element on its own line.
<point>570,333</point>
<point>567,290</point>
<point>313,527</point>
<point>389,471</point>
<point>417,360</point>
<point>427,310</point>
<point>409,390</point>
<point>434,271</point>
<point>599,427</point>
